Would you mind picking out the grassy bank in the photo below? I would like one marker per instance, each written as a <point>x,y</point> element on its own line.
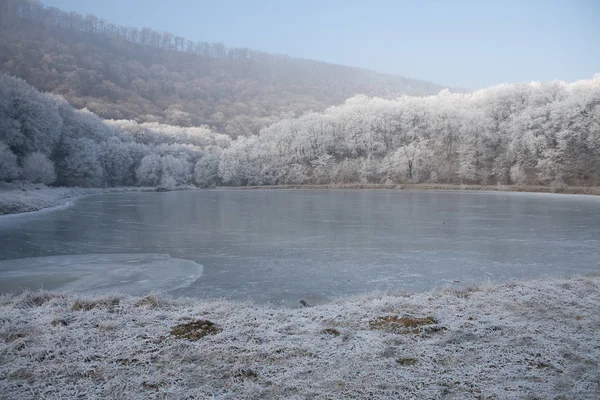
<point>534,339</point>
<point>590,190</point>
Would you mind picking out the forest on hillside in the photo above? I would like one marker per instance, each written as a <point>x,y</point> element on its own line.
<point>528,134</point>
<point>121,72</point>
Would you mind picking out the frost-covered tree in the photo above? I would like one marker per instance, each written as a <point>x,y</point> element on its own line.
<point>176,170</point>
<point>8,163</point>
<point>322,168</point>
<point>80,164</point>
<point>37,168</point>
<point>166,170</point>
<point>206,170</point>
<point>239,163</point>
<point>29,120</point>
<point>347,171</point>
<point>117,162</point>
<point>150,170</point>
<point>526,134</point>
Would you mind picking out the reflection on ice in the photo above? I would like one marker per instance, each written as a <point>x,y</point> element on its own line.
<point>134,274</point>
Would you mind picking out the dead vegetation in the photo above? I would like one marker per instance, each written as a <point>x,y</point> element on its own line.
<point>407,361</point>
<point>331,332</point>
<point>150,301</point>
<point>60,322</point>
<point>86,305</point>
<point>245,373</point>
<point>404,324</point>
<point>195,330</point>
<point>11,337</point>
<point>29,299</point>
<point>127,361</point>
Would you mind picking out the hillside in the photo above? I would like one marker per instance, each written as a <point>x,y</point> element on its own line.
<point>121,72</point>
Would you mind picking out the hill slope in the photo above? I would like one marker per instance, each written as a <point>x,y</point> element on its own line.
<point>125,73</point>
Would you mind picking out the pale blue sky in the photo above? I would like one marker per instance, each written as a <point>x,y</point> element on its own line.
<point>469,44</point>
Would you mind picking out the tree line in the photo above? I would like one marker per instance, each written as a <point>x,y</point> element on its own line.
<point>44,139</point>
<point>527,134</point>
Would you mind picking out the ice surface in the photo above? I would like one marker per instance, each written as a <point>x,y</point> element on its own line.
<point>317,245</point>
<point>135,274</point>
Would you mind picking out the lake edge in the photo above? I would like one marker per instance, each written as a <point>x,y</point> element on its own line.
<point>21,203</point>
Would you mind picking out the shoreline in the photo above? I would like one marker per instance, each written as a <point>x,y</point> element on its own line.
<point>29,198</point>
<point>63,205</point>
<point>525,339</point>
<point>33,198</point>
<point>580,190</point>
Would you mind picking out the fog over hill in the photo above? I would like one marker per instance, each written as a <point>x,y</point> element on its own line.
<point>121,72</point>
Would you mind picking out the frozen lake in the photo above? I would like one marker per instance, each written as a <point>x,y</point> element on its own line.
<point>281,246</point>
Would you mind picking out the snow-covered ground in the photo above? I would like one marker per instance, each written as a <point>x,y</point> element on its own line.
<point>16,198</point>
<point>532,339</point>
<point>20,198</point>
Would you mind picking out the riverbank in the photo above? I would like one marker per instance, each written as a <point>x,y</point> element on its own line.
<point>22,198</point>
<point>532,339</point>
<point>17,198</point>
<point>587,190</point>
